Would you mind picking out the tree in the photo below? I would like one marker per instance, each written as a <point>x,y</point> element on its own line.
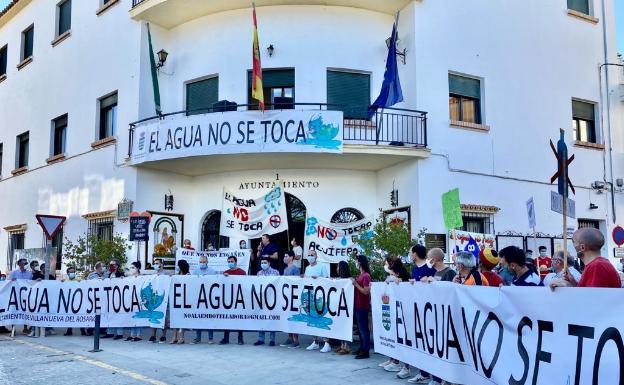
<point>386,239</point>
<point>89,249</point>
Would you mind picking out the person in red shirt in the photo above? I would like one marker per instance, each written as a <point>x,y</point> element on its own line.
<point>232,270</point>
<point>543,262</point>
<point>488,260</point>
<point>362,305</point>
<point>599,272</point>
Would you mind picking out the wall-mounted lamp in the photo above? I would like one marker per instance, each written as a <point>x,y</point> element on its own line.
<point>270,50</point>
<point>162,58</point>
<point>400,54</point>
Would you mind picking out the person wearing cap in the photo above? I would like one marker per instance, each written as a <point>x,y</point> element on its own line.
<point>516,261</point>
<point>557,269</point>
<point>488,259</point>
<point>467,272</point>
<point>21,272</point>
<point>266,271</point>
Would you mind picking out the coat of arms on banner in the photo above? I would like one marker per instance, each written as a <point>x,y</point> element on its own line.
<point>151,300</point>
<point>309,312</point>
<point>386,318</point>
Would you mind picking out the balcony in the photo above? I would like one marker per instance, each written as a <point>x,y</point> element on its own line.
<point>390,136</point>
<point>170,13</point>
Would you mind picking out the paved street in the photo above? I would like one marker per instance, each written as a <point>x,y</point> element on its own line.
<point>66,360</point>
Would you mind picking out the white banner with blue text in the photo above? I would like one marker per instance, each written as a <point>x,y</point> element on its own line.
<point>512,335</point>
<point>237,132</point>
<point>334,242</point>
<point>217,259</point>
<point>319,307</point>
<point>122,302</point>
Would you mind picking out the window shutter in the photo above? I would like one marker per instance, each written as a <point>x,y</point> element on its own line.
<point>64,17</point>
<point>582,110</point>
<point>201,95</point>
<point>275,78</point>
<point>350,92</point>
<point>463,86</point>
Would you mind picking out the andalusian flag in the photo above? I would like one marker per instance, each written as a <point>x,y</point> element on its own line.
<point>256,79</point>
<point>154,72</point>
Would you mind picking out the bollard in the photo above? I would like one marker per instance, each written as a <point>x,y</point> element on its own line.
<point>96,334</point>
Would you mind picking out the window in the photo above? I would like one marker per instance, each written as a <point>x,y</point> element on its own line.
<point>28,37</point>
<point>464,99</point>
<point>279,89</point>
<point>588,223</point>
<point>3,60</point>
<point>584,121</point>
<point>21,153</point>
<point>348,92</point>
<point>581,6</point>
<point>347,215</point>
<point>108,116</point>
<point>59,129</point>
<point>201,95</point>
<point>476,222</point>
<point>63,11</point>
<point>101,228</point>
<point>57,242</point>
<point>16,242</point>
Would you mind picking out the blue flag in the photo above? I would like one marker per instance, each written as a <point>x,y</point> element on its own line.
<point>391,92</point>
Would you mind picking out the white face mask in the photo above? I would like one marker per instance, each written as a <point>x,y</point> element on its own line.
<point>542,253</point>
<point>71,275</point>
<point>133,270</point>
<point>429,264</point>
<point>311,258</point>
<point>387,269</point>
<point>156,266</point>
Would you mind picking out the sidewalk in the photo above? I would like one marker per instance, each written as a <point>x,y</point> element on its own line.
<point>203,363</point>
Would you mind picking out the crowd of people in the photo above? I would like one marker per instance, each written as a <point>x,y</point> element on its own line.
<point>510,266</point>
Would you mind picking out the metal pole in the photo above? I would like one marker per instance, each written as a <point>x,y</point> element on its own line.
<point>46,275</point>
<point>565,216</point>
<point>96,334</point>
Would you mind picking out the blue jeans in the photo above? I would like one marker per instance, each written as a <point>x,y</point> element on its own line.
<point>136,332</point>
<point>262,334</point>
<point>198,333</point>
<point>361,317</point>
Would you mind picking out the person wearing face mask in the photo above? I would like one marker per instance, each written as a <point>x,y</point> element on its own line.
<point>186,244</point>
<point>598,272</point>
<point>266,271</point>
<point>242,244</point>
<point>73,277</point>
<point>3,277</point>
<point>266,249</point>
<point>182,268</point>
<point>203,270</point>
<point>362,305</point>
<point>420,269</point>
<point>515,259</point>
<point>135,332</point>
<point>37,274</point>
<point>291,270</point>
<point>21,272</point>
<point>317,270</point>
<point>157,265</point>
<point>557,272</point>
<point>114,271</point>
<point>232,270</point>
<point>543,262</point>
<point>297,252</point>
<point>443,272</point>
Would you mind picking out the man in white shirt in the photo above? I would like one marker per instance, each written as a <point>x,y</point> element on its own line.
<point>298,250</point>
<point>203,269</point>
<point>557,266</point>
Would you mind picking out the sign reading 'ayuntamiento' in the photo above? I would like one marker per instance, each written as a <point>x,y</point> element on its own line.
<point>238,132</point>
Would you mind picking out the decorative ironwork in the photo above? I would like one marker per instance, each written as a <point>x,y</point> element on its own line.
<point>168,202</point>
<point>347,215</point>
<point>124,208</point>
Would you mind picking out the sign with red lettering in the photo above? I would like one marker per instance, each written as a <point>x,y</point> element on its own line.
<point>250,218</point>
<point>334,242</point>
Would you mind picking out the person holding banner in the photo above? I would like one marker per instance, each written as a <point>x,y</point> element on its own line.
<point>232,270</point>
<point>266,271</point>
<point>21,272</point>
<point>362,305</point>
<point>203,270</point>
<point>317,270</point>
<point>293,271</point>
<point>515,259</point>
<point>421,269</point>
<point>178,334</point>
<point>158,267</point>
<point>599,272</point>
<point>71,277</point>
<point>557,269</point>
<point>135,332</point>
<point>467,273</point>
<point>442,272</point>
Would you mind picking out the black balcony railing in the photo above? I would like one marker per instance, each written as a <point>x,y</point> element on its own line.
<point>137,2</point>
<point>388,126</point>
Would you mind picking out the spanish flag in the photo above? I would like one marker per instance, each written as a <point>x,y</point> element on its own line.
<point>256,82</point>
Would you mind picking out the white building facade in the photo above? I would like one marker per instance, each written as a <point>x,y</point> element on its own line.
<point>485,87</point>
